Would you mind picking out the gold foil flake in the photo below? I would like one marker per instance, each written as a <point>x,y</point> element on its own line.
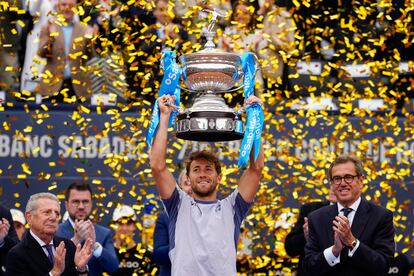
<point>52,187</point>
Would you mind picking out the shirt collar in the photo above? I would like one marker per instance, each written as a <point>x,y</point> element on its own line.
<point>39,241</point>
<point>71,222</point>
<point>354,205</point>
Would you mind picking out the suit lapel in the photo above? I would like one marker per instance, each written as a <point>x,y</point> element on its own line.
<point>36,251</point>
<point>332,212</point>
<point>67,227</point>
<point>360,219</point>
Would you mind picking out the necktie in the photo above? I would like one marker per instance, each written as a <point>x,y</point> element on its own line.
<point>346,211</point>
<point>49,252</point>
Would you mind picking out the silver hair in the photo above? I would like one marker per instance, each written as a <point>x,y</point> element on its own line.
<point>180,176</point>
<point>32,203</point>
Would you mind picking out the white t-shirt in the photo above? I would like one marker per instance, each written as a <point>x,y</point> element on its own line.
<point>203,235</point>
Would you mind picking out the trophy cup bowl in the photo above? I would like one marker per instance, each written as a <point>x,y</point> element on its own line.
<point>209,70</point>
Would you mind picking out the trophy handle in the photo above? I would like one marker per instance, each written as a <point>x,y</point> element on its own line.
<point>179,109</point>
<point>186,89</point>
<point>243,108</point>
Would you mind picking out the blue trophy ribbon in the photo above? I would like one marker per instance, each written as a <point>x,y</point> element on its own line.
<point>255,117</point>
<point>248,66</point>
<point>169,86</point>
<point>258,129</point>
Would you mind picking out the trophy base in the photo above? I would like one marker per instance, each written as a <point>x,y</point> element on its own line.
<point>209,126</point>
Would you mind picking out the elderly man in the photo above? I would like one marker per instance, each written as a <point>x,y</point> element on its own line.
<point>79,227</point>
<point>203,229</point>
<point>66,47</point>
<point>352,237</point>
<point>41,252</point>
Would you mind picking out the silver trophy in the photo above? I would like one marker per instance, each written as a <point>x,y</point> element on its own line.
<point>210,72</point>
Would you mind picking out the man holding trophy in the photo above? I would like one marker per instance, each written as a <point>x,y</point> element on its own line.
<point>203,230</point>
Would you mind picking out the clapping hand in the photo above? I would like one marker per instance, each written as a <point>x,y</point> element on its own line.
<point>83,254</point>
<point>4,229</point>
<point>343,228</point>
<point>59,259</point>
<point>343,234</point>
<point>306,229</point>
<point>338,245</point>
<point>84,229</point>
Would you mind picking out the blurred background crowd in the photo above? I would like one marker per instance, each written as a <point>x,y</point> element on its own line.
<point>341,50</point>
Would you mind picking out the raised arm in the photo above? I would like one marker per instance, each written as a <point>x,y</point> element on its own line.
<point>249,182</point>
<point>163,177</point>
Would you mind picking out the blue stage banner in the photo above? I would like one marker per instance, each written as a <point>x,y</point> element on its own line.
<point>46,150</point>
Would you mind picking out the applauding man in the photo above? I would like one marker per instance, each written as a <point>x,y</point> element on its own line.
<point>78,227</point>
<point>41,252</point>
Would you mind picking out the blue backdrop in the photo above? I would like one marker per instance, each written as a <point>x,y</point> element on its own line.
<point>45,149</point>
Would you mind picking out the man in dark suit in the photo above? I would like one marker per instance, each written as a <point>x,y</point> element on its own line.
<point>352,237</point>
<point>8,236</point>
<point>78,227</point>
<point>42,253</point>
<point>295,241</point>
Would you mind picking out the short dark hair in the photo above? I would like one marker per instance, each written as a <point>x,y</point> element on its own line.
<point>205,155</point>
<point>342,159</point>
<point>77,186</point>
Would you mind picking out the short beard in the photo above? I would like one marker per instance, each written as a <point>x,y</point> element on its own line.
<point>204,194</point>
<point>74,218</point>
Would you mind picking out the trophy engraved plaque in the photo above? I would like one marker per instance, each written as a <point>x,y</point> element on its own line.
<point>208,73</point>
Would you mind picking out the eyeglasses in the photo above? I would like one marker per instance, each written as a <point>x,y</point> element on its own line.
<point>78,202</point>
<point>348,178</point>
